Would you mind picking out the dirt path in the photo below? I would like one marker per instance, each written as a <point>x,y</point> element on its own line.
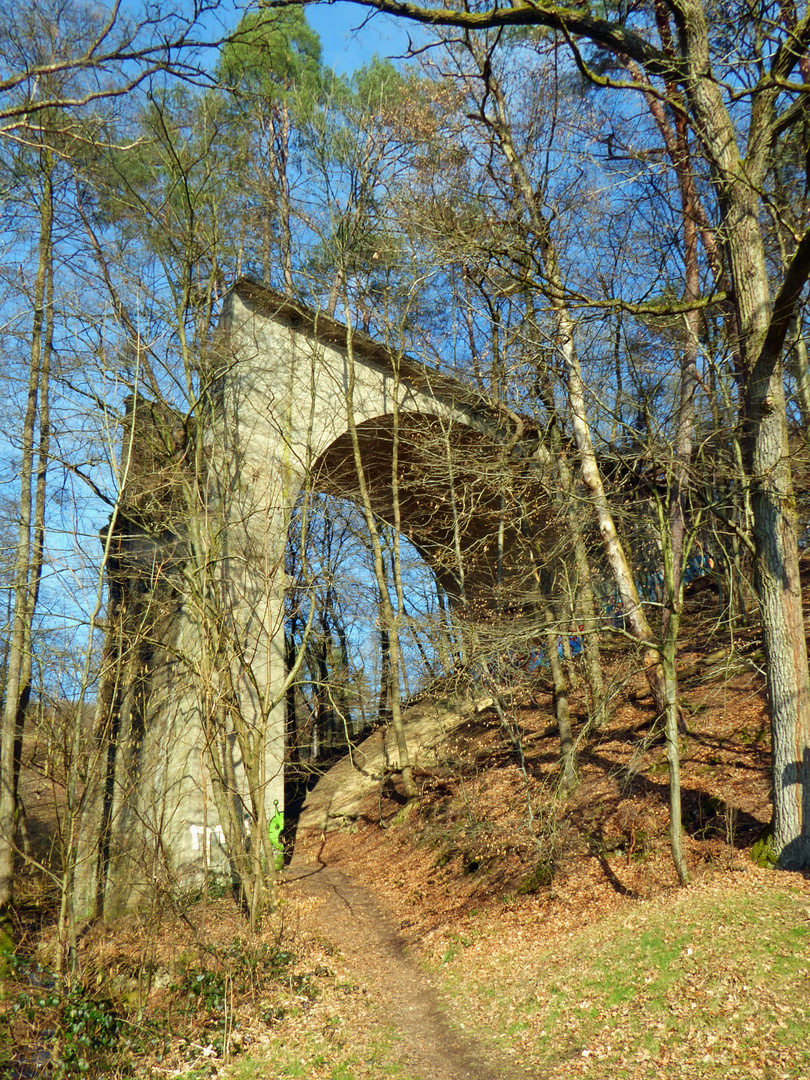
<point>404,996</point>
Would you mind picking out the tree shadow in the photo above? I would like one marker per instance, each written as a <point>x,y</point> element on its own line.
<point>616,883</point>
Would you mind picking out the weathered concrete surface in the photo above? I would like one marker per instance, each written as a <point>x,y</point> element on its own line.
<point>338,798</point>
<point>201,570</point>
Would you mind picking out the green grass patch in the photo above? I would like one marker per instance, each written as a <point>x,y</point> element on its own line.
<point>299,1054</point>
<point>710,985</point>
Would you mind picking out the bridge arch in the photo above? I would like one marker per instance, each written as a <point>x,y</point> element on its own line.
<point>302,404</point>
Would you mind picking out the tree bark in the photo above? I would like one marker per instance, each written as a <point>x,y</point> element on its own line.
<point>568,774</point>
<point>673,752</point>
<point>389,616</point>
<point>25,573</point>
<point>586,606</point>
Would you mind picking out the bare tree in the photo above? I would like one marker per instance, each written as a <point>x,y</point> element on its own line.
<point>35,437</point>
<point>738,149</point>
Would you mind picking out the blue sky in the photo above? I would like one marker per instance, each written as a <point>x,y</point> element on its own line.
<point>351,34</point>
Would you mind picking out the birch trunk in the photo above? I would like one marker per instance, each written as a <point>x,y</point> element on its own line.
<point>566,347</point>
<point>586,605</point>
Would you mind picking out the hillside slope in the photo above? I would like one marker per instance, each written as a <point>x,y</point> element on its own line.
<point>493,928</point>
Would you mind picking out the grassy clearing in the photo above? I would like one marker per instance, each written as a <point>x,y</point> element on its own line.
<point>707,984</point>
<point>304,1057</point>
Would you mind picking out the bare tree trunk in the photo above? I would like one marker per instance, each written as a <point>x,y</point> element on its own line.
<point>38,524</point>
<point>390,618</point>
<point>632,610</point>
<point>25,574</point>
<point>585,597</point>
<point>283,180</point>
<point>673,752</point>
<point>568,775</point>
<point>673,594</point>
<point>590,628</point>
<point>555,293</point>
<point>676,140</point>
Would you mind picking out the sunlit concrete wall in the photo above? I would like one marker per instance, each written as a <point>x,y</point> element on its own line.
<point>287,383</point>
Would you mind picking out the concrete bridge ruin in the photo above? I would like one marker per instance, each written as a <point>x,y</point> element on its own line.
<point>194,658</point>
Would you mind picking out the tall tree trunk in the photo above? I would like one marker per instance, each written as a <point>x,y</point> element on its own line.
<point>281,125</point>
<point>26,578</point>
<point>762,328</point>
<point>676,140</point>
<point>586,605</point>
<point>389,616</point>
<point>673,752</point>
<point>568,775</point>
<point>586,610</point>
<point>38,524</point>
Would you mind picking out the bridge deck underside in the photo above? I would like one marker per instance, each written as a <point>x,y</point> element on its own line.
<point>479,518</point>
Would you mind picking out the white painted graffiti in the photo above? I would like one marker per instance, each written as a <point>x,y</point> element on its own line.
<point>200,830</point>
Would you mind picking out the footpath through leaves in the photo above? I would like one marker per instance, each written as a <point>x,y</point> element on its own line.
<point>403,1003</point>
<point>458,937</point>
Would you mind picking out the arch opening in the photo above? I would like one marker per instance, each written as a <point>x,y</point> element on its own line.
<point>453,488</point>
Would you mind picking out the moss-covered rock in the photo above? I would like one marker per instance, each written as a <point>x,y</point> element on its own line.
<point>762,852</point>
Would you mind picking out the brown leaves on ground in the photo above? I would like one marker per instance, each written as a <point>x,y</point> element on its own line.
<point>479,832</point>
<point>491,878</point>
<point>553,925</point>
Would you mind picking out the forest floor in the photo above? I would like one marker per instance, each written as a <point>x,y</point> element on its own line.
<point>493,928</point>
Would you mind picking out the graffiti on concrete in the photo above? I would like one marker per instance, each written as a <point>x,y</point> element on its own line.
<point>200,830</point>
